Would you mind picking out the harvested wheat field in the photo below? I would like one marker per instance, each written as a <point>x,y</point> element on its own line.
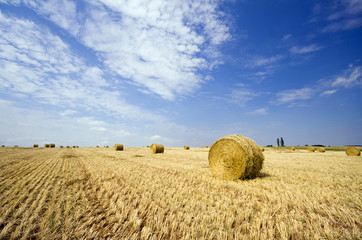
<point>88,193</point>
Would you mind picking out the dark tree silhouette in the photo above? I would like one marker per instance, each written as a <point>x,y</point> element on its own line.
<point>278,141</point>
<point>282,141</point>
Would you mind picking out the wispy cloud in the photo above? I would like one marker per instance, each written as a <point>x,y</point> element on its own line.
<point>351,77</point>
<point>241,96</point>
<point>305,49</point>
<point>293,95</point>
<point>329,92</point>
<point>260,111</point>
<point>258,61</point>
<point>339,15</point>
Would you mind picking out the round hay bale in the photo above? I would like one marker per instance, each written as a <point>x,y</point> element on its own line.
<point>321,149</point>
<point>292,148</point>
<point>73,146</point>
<point>311,149</point>
<point>97,146</point>
<point>68,147</point>
<point>46,145</point>
<point>276,148</point>
<point>157,148</point>
<point>235,157</point>
<point>15,146</point>
<point>353,151</point>
<point>35,145</point>
<point>118,147</point>
<point>52,145</point>
<point>2,145</point>
<point>61,146</point>
<point>186,147</point>
<point>206,146</point>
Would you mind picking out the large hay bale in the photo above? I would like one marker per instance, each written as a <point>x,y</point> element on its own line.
<point>60,146</point>
<point>2,145</point>
<point>46,145</point>
<point>157,148</point>
<point>74,146</point>
<point>118,147</point>
<point>235,157</point>
<point>353,151</point>
<point>292,148</point>
<point>186,147</point>
<point>321,149</point>
<point>35,145</point>
<point>52,145</point>
<point>68,147</point>
<point>311,149</point>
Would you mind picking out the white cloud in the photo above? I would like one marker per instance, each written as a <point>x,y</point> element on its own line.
<point>263,61</point>
<point>286,37</point>
<point>159,46</point>
<point>38,64</point>
<point>293,95</point>
<point>351,77</point>
<point>99,129</point>
<point>155,137</point>
<point>329,92</point>
<point>68,112</point>
<point>242,96</point>
<point>260,111</point>
<point>305,49</point>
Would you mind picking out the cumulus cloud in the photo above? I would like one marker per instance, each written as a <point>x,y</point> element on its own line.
<point>160,46</point>
<point>328,92</point>
<point>37,64</point>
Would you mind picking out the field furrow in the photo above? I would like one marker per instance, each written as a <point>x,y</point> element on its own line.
<point>133,194</point>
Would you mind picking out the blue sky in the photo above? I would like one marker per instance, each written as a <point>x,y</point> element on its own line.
<point>101,72</point>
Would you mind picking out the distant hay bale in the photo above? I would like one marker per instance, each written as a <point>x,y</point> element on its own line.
<point>311,149</point>
<point>157,148</point>
<point>118,147</point>
<point>2,145</point>
<point>235,157</point>
<point>321,149</point>
<point>276,148</point>
<point>353,151</point>
<point>186,147</point>
<point>292,148</point>
<point>77,146</point>
<point>52,145</point>
<point>15,146</point>
<point>73,146</point>
<point>68,147</point>
<point>60,146</point>
<point>206,146</point>
<point>148,146</point>
<point>46,145</point>
<point>97,146</point>
<point>35,145</point>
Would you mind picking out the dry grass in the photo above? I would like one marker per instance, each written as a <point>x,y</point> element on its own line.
<point>94,193</point>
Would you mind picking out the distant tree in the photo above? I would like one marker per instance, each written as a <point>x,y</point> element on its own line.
<point>282,141</point>
<point>278,141</point>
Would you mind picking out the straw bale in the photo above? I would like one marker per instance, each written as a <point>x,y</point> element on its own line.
<point>276,148</point>
<point>46,145</point>
<point>61,146</point>
<point>186,147</point>
<point>52,145</point>
<point>353,151</point>
<point>35,145</point>
<point>68,147</point>
<point>2,145</point>
<point>311,149</point>
<point>118,147</point>
<point>16,146</point>
<point>292,148</point>
<point>73,146</point>
<point>235,157</point>
<point>157,148</point>
<point>321,149</point>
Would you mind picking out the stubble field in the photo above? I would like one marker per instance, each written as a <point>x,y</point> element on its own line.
<point>88,193</point>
